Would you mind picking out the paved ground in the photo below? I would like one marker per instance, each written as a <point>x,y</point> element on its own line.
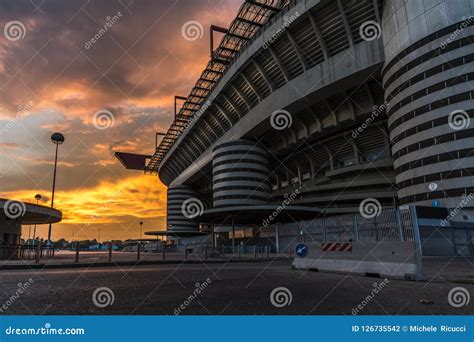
<point>237,288</point>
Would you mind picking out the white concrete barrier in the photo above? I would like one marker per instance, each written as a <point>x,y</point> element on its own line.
<point>394,259</point>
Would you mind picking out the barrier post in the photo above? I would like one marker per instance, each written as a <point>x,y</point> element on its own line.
<point>110,253</point>
<point>164,252</point>
<point>77,252</point>
<point>399,223</point>
<point>138,251</point>
<point>356,227</point>
<point>38,251</point>
<point>418,249</point>
<point>267,249</point>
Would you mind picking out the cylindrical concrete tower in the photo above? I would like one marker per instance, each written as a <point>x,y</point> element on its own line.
<point>240,174</point>
<point>428,79</point>
<point>182,205</point>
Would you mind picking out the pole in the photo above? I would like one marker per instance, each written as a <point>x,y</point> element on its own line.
<point>38,251</point>
<point>233,236</point>
<point>110,252</point>
<point>164,251</point>
<point>277,238</point>
<point>77,252</point>
<point>54,186</point>
<point>138,250</point>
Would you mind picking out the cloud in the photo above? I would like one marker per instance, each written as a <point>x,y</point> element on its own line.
<point>50,81</point>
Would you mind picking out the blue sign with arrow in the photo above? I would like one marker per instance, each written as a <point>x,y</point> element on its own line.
<point>301,250</point>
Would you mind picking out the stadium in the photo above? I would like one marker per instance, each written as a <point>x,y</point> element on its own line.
<point>324,120</point>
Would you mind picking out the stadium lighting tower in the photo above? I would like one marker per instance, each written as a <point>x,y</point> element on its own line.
<point>58,139</point>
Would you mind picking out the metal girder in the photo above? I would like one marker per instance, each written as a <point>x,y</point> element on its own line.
<point>264,75</point>
<point>279,63</point>
<point>298,50</point>
<point>251,85</point>
<point>319,36</point>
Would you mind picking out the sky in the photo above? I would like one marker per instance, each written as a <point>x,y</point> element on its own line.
<point>104,73</point>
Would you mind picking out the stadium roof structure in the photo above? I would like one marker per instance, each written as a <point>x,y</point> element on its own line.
<point>252,15</point>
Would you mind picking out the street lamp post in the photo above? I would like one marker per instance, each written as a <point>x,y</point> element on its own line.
<point>58,139</point>
<point>37,198</point>
<point>141,225</point>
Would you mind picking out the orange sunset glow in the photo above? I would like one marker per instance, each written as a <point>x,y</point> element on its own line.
<point>54,80</point>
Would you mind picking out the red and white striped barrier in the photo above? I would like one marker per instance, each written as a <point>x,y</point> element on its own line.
<point>336,247</point>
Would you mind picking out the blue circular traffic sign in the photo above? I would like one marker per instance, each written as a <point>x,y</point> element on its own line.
<point>301,250</point>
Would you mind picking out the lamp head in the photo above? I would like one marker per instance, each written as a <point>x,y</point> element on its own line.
<point>57,138</point>
<point>37,197</point>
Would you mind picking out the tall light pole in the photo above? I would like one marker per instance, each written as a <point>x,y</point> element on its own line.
<point>58,139</point>
<point>141,225</point>
<point>37,198</point>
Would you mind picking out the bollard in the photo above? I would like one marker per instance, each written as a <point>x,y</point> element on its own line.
<point>164,252</point>
<point>110,253</point>
<point>77,252</point>
<point>255,251</point>
<point>223,251</point>
<point>238,251</point>
<point>205,252</point>
<point>267,248</point>
<point>53,253</point>
<point>138,251</point>
<point>38,249</point>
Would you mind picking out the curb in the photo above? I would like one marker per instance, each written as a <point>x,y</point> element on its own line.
<point>130,263</point>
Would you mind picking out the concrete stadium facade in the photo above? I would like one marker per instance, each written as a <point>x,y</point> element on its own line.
<point>340,101</point>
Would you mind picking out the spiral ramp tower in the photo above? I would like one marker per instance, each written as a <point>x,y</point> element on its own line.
<point>428,78</point>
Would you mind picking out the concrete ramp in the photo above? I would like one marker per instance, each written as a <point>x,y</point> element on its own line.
<point>393,259</point>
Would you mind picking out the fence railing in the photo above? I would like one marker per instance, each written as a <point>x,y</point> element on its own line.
<point>26,252</point>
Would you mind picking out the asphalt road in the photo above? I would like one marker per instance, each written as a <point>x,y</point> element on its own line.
<point>237,288</point>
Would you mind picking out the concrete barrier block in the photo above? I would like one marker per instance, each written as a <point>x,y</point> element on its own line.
<point>394,259</point>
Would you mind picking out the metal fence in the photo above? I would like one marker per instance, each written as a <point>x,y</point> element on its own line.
<point>396,224</point>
